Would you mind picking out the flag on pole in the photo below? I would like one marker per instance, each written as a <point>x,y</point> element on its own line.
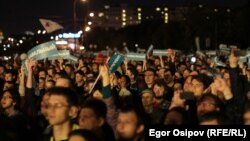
<point>50,26</point>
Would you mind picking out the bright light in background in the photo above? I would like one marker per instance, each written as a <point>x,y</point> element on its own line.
<point>61,42</point>
<point>39,32</point>
<point>4,49</point>
<point>8,45</point>
<point>158,9</point>
<point>82,47</point>
<point>44,32</point>
<point>17,44</point>
<point>136,45</point>
<point>91,14</point>
<point>89,23</point>
<point>60,35</point>
<point>72,46</point>
<point>100,14</point>
<point>80,32</point>
<point>20,41</point>
<point>84,0</point>
<point>87,29</point>
<point>56,38</point>
<point>51,37</point>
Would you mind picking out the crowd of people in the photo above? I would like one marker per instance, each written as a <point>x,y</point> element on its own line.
<point>58,101</point>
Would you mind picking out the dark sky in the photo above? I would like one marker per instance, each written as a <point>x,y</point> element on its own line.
<point>17,16</point>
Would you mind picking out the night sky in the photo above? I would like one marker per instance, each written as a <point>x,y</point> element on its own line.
<point>17,16</point>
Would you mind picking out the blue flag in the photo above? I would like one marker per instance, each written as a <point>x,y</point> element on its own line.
<point>43,51</point>
<point>115,61</point>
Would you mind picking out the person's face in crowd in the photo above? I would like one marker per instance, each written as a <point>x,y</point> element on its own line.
<point>161,73</point>
<point>122,82</point>
<point>7,101</point>
<point>187,84</point>
<point>88,119</point>
<point>44,105</point>
<point>139,68</point>
<point>63,82</point>
<point>149,77</point>
<point>41,83</point>
<point>97,94</point>
<point>78,78</point>
<point>176,99</point>
<point>77,138</point>
<point>178,75</point>
<point>210,122</point>
<point>173,118</point>
<point>1,70</point>
<point>49,84</point>
<point>134,63</point>
<point>205,106</point>
<point>147,99</point>
<point>127,126</point>
<point>203,71</point>
<point>130,75</point>
<point>84,69</point>
<point>186,73</point>
<point>177,87</point>
<point>68,70</point>
<point>81,62</point>
<point>248,96</point>
<point>88,86</point>
<point>56,77</point>
<point>94,67</point>
<point>90,75</point>
<point>197,87</point>
<point>226,76</point>
<point>50,72</point>
<point>182,68</point>
<point>42,74</point>
<point>8,77</point>
<point>158,91</point>
<point>58,110</point>
<point>168,77</point>
<point>8,85</point>
<point>157,62</point>
<point>246,118</point>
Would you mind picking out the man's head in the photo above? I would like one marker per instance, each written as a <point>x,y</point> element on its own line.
<point>10,99</point>
<point>208,103</point>
<point>79,78</point>
<point>130,124</point>
<point>92,114</point>
<point>62,105</point>
<point>147,97</point>
<point>64,81</point>
<point>149,76</point>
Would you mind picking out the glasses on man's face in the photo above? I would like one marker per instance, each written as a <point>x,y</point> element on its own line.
<point>56,106</point>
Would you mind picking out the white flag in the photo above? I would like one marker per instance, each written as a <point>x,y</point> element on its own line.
<point>50,26</point>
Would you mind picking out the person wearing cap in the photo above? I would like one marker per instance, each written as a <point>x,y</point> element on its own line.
<point>147,98</point>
